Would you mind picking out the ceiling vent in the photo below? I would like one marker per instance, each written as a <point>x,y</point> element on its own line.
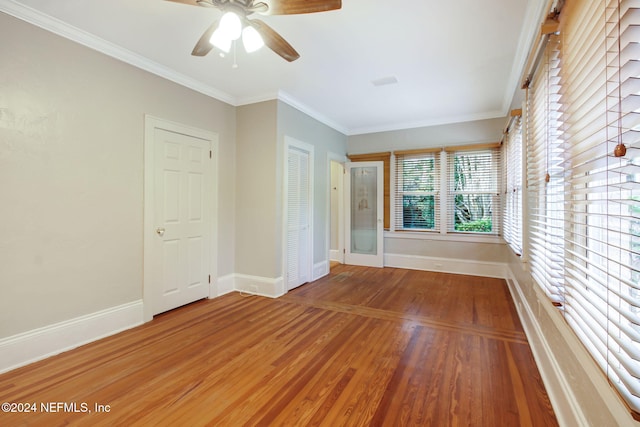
<point>391,80</point>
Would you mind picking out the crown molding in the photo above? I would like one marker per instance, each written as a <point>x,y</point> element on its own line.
<point>427,123</point>
<point>60,28</point>
<point>255,99</point>
<point>290,100</point>
<point>534,14</point>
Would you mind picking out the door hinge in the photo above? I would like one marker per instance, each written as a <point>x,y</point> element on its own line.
<point>344,251</point>
<point>210,154</point>
<point>209,278</point>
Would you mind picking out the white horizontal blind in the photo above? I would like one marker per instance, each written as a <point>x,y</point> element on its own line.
<point>600,68</point>
<point>474,190</point>
<point>512,182</point>
<point>417,197</point>
<point>545,175</point>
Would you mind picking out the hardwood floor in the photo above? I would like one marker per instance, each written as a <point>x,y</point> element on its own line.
<point>360,347</point>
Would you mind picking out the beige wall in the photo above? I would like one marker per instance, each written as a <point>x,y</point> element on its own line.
<point>261,131</point>
<point>71,174</point>
<point>452,249</point>
<point>295,124</point>
<point>257,234</point>
<point>478,131</point>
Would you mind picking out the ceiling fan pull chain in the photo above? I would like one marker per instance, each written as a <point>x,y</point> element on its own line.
<point>235,64</point>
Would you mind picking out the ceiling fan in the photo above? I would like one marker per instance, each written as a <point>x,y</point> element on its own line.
<point>254,32</point>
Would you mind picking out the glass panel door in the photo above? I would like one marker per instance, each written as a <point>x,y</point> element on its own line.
<point>364,189</point>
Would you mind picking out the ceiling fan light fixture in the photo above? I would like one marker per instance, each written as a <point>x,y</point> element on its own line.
<point>251,39</point>
<point>230,25</point>
<point>219,40</point>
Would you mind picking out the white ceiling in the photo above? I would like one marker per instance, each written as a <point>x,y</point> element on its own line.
<point>453,60</point>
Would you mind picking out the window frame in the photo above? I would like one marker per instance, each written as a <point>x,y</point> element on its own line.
<point>441,231</point>
<point>491,174</point>
<point>417,156</point>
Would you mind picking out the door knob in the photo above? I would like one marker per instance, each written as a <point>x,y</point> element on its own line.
<point>160,231</point>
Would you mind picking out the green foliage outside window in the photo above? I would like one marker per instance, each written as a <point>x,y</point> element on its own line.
<point>418,208</point>
<point>473,202</point>
<point>418,212</point>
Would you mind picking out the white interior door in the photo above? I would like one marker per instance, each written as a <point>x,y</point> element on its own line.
<point>364,225</point>
<point>180,242</point>
<point>299,190</point>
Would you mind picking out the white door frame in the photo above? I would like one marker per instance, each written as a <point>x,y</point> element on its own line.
<point>333,157</point>
<point>152,123</point>
<point>308,148</point>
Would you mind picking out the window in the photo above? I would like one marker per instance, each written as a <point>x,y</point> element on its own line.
<point>417,204</point>
<point>471,175</point>
<point>473,196</point>
<point>545,175</point>
<point>512,182</point>
<point>584,113</point>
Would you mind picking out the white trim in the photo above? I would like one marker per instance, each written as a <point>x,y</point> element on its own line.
<point>425,123</point>
<point>335,254</point>
<point>91,41</point>
<point>320,269</point>
<point>222,286</point>
<point>63,29</point>
<point>152,123</point>
<point>448,237</point>
<point>37,344</point>
<point>566,391</point>
<point>288,99</point>
<point>256,285</point>
<point>248,100</point>
<point>561,395</point>
<point>534,15</point>
<point>446,265</point>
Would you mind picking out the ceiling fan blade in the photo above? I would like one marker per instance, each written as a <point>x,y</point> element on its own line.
<point>204,46</point>
<point>275,41</point>
<point>205,3</point>
<point>294,7</point>
<point>189,2</point>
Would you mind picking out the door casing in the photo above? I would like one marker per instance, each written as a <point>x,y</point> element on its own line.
<point>151,124</point>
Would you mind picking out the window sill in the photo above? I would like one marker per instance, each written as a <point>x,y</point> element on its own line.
<point>451,237</point>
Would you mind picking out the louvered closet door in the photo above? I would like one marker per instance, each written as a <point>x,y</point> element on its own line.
<point>298,218</point>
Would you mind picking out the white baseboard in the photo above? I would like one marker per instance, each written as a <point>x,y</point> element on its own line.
<point>447,265</point>
<point>562,399</point>
<point>222,285</point>
<point>256,285</point>
<point>320,269</point>
<point>336,255</point>
<point>31,346</point>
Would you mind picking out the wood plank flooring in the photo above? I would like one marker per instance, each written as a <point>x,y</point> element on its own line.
<point>360,347</point>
